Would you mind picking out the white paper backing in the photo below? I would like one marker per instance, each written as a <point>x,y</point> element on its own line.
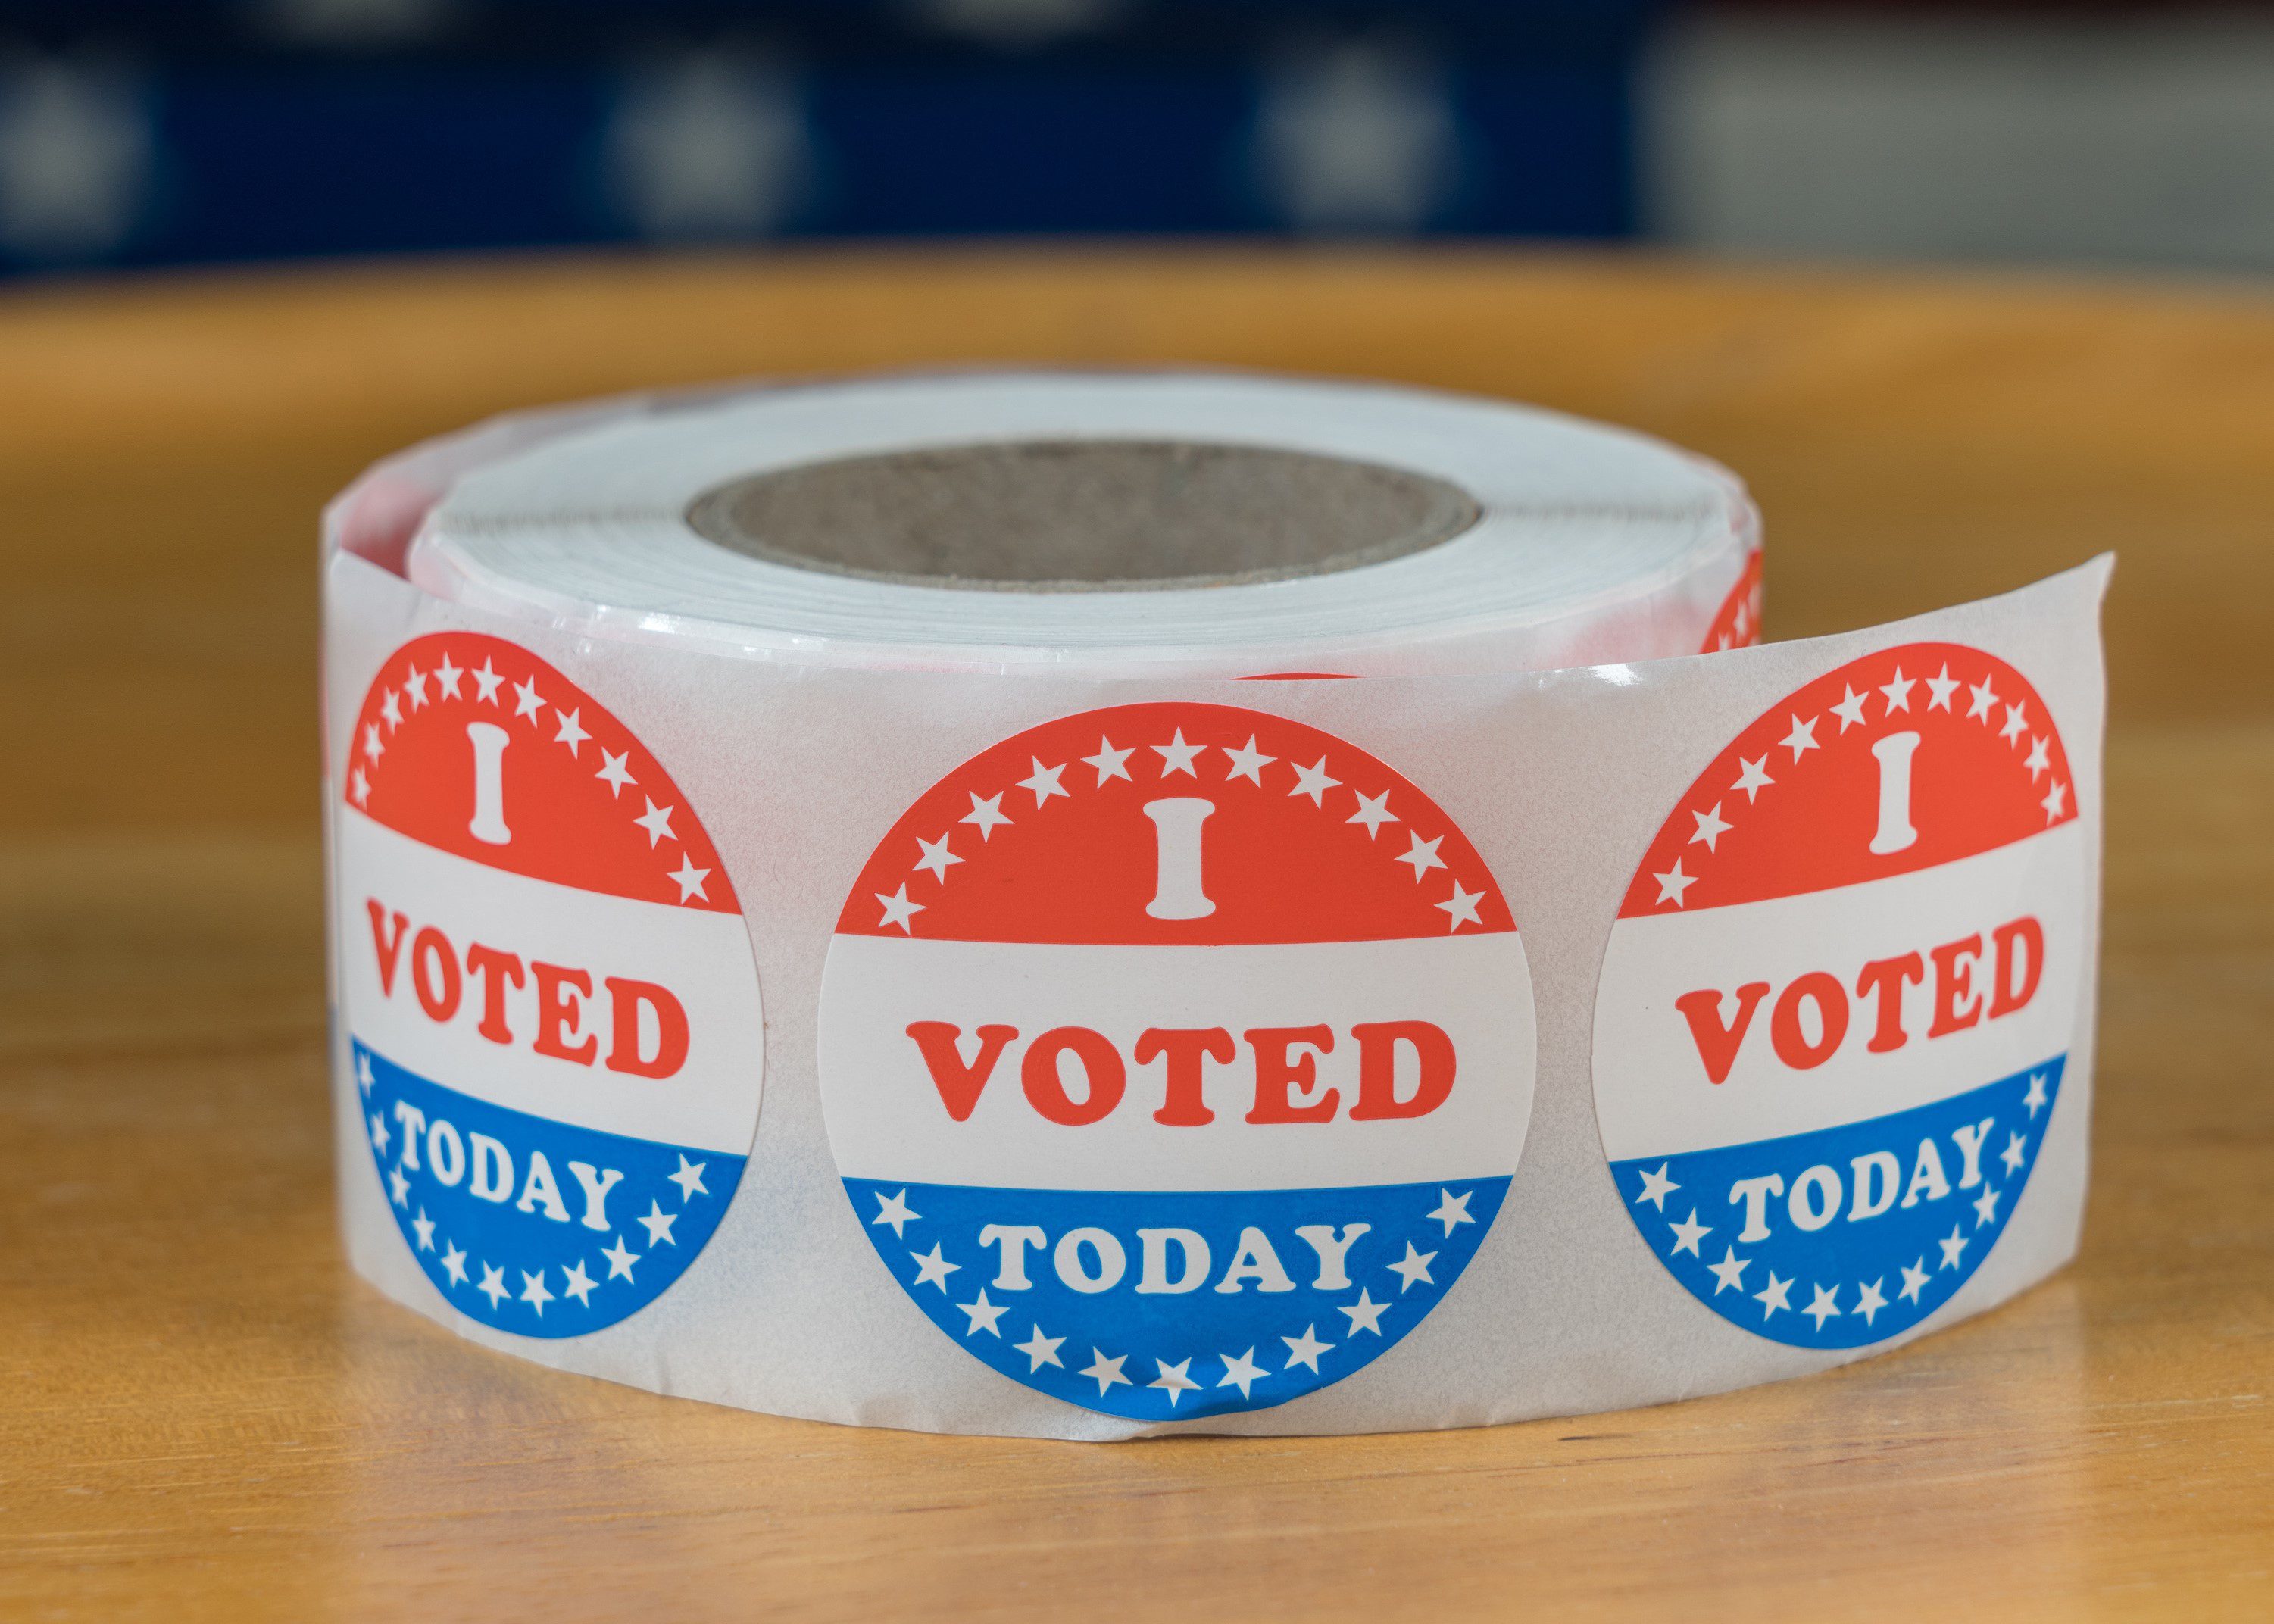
<point>1559,777</point>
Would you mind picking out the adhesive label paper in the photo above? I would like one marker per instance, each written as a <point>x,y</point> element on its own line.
<point>1835,1012</point>
<point>549,990</point>
<point>1176,1058</point>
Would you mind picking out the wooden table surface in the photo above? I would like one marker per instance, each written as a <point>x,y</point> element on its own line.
<point>203,1414</point>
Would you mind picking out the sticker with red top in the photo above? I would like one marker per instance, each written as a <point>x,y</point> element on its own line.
<point>1737,622</point>
<point>1176,1057</point>
<point>1837,1004</point>
<point>549,993</point>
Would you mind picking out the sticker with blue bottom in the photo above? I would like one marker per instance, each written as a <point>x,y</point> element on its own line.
<point>529,1225</point>
<point>1158,1306</point>
<point>1850,1235</point>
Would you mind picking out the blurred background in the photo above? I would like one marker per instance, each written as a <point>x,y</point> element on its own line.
<point>180,131</point>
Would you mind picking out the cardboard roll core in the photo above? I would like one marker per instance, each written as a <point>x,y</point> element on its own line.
<point>1095,514</point>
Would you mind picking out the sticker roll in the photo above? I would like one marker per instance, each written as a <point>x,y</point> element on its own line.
<point>1084,906</point>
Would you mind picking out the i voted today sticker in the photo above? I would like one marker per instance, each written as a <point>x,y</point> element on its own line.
<point>1176,1058</point>
<point>550,996</point>
<point>1737,622</point>
<point>1836,1006</point>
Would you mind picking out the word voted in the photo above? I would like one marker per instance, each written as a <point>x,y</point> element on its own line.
<point>1818,1194</point>
<point>1074,1076</point>
<point>487,1166</point>
<point>1811,1019</point>
<point>1171,1261</point>
<point>638,1028</point>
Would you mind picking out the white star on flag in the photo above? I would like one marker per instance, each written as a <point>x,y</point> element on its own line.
<point>1313,781</point>
<point>1110,763</point>
<point>1870,1300</point>
<point>576,1283</point>
<point>391,709</point>
<point>689,1180</point>
<point>1752,778</point>
<point>1672,884</point>
<point>1452,1210</point>
<point>1241,1371</point>
<point>1898,691</point>
<point>2056,801</point>
<point>380,1135</point>
<point>487,680</point>
<point>1247,763</point>
<point>1953,1247</point>
<point>1373,811</point>
<point>1849,710</point>
<point>1461,907</point>
<point>1823,1305</point>
<point>527,701</point>
<point>1711,828</point>
<point>1045,781</point>
<point>493,1286</point>
<point>359,786</point>
<point>1729,1273</point>
<point>982,1315</point>
<point>1657,1186</point>
<point>1939,690</point>
<point>446,677</point>
<point>1774,1297</point>
<point>657,820</point>
<point>2037,760</point>
<point>620,1258</point>
<point>1412,1269</point>
<point>2016,724</point>
<point>414,687</point>
<point>1985,1207</point>
<point>1041,1351</point>
<point>986,814</point>
<point>1423,855</point>
<point>1915,1278</point>
<point>1176,756</point>
<point>1365,1315</point>
<point>533,1291</point>
<point>932,1268</point>
<point>399,1189</point>
<point>424,1228</point>
<point>1985,701</point>
<point>1802,738</point>
<point>2015,1152</point>
<point>690,879</point>
<point>1174,1380</point>
<point>371,747</point>
<point>658,1224</point>
<point>453,1264</point>
<point>1688,1232</point>
<point>1305,1349</point>
<point>899,910</point>
<point>2035,1099</point>
<point>365,1079</point>
<point>1104,1371</point>
<point>937,857</point>
<point>893,1209</point>
<point>614,772</point>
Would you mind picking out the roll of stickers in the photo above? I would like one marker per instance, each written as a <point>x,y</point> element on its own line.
<point>1090,906</point>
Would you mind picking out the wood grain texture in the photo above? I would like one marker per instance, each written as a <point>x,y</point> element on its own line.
<point>205,1417</point>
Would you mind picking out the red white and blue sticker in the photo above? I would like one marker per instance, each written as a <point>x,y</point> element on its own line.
<point>1176,1058</point>
<point>549,993</point>
<point>1836,1006</point>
